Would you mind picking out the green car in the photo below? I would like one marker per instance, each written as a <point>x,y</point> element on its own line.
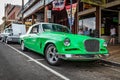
<point>56,42</point>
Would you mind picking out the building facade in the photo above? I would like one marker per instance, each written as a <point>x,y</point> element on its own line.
<point>11,12</point>
<point>95,17</point>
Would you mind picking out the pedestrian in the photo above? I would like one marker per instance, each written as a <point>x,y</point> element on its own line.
<point>86,32</point>
<point>91,32</point>
<point>112,34</point>
<point>80,31</point>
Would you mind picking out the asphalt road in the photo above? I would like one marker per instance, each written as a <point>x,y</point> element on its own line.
<point>18,65</point>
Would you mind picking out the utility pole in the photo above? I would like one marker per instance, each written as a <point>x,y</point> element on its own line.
<point>44,12</point>
<point>22,10</point>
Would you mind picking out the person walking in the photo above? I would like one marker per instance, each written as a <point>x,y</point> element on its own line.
<point>112,34</point>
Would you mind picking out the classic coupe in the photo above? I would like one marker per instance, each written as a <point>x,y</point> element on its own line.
<point>56,42</point>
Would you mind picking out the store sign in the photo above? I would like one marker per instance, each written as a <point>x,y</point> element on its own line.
<point>48,13</point>
<point>28,24</point>
<point>95,2</point>
<point>68,9</point>
<point>58,5</point>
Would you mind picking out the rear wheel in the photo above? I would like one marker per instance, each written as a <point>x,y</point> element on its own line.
<point>51,55</point>
<point>23,46</point>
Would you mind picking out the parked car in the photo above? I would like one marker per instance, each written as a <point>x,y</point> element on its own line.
<point>12,34</point>
<point>56,42</point>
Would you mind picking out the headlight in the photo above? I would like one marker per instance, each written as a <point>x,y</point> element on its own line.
<point>67,42</point>
<point>105,44</point>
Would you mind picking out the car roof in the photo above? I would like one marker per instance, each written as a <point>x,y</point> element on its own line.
<point>47,23</point>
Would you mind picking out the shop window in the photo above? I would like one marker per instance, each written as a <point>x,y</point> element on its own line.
<point>88,22</point>
<point>109,18</point>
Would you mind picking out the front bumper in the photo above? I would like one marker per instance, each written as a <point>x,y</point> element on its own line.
<point>83,57</point>
<point>13,39</point>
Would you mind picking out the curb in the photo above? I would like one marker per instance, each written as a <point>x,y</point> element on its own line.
<point>110,62</point>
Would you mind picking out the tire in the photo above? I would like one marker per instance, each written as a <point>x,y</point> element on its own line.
<point>23,48</point>
<point>6,41</point>
<point>51,55</point>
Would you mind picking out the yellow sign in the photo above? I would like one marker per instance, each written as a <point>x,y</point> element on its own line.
<point>28,24</point>
<point>102,31</point>
<point>95,2</point>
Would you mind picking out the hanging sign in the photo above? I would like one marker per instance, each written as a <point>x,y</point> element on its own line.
<point>58,5</point>
<point>95,2</point>
<point>68,9</point>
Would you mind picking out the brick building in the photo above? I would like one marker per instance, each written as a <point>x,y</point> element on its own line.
<point>11,12</point>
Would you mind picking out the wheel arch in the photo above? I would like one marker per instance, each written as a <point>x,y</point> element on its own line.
<point>21,41</point>
<point>47,45</point>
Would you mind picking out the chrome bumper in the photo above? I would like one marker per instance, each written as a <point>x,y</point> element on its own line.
<point>83,57</point>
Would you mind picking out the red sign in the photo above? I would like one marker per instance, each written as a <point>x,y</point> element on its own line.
<point>58,5</point>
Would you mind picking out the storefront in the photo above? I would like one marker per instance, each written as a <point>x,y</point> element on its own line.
<point>110,17</point>
<point>102,19</point>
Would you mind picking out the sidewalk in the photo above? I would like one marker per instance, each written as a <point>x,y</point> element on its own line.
<point>114,51</point>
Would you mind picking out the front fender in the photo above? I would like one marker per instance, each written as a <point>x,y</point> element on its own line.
<point>56,43</point>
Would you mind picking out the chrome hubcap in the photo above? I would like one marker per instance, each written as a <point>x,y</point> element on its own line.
<point>22,46</point>
<point>52,54</point>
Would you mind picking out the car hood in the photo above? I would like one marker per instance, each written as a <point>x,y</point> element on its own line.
<point>62,36</point>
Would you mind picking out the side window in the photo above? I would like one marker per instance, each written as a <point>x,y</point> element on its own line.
<point>35,29</point>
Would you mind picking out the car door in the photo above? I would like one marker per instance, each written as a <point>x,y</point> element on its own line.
<point>32,37</point>
<point>39,40</point>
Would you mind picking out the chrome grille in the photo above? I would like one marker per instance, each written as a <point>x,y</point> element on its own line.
<point>92,45</point>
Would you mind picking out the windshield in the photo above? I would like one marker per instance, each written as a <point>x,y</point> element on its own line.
<point>8,31</point>
<point>55,27</point>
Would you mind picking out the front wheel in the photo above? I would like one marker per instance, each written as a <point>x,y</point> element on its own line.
<point>51,55</point>
<point>6,41</point>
